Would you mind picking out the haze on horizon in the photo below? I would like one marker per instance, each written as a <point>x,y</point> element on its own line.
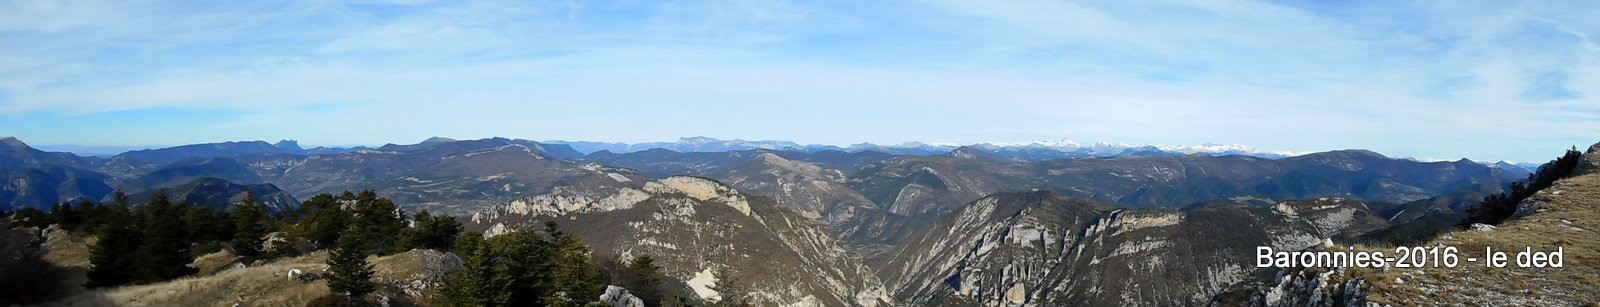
<point>1487,81</point>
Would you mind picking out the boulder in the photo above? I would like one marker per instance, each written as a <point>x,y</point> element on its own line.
<point>1590,163</point>
<point>1481,227</point>
<point>619,297</point>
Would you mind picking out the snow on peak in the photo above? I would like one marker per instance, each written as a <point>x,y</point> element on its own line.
<point>1100,148</point>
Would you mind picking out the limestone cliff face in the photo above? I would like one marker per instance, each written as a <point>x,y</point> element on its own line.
<point>1563,216</point>
<point>1045,249</point>
<point>1329,288</point>
<point>700,231</point>
<point>813,190</point>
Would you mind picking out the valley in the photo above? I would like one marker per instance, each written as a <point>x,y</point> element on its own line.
<point>825,226</point>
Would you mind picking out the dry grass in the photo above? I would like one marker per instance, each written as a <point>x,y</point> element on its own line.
<point>214,262</point>
<point>66,249</point>
<point>1569,219</point>
<point>69,251</point>
<point>264,285</point>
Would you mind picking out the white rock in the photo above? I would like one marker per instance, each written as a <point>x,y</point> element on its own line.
<point>619,297</point>
<point>1481,227</point>
<point>1017,294</point>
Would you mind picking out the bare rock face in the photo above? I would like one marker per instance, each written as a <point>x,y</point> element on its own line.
<point>1590,163</point>
<point>1306,288</point>
<point>1047,249</point>
<point>701,231</point>
<point>619,297</point>
<point>815,191</point>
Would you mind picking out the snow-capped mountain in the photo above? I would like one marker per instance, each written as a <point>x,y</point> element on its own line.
<point>1048,149</point>
<point>689,144</point>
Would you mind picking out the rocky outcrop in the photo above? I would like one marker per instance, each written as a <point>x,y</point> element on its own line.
<point>700,231</point>
<point>619,297</point>
<point>815,191</point>
<point>1307,288</point>
<point>1590,163</point>
<point>1046,249</point>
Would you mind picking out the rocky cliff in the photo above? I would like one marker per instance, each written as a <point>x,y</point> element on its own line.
<point>700,231</point>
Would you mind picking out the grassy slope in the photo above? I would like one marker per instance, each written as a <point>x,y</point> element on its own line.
<point>1569,217</point>
<point>70,251</point>
<point>267,284</point>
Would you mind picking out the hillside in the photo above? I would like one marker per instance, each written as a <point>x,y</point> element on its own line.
<point>837,228</point>
<point>1565,215</point>
<point>1047,249</point>
<point>404,278</point>
<point>1568,215</point>
<point>700,230</point>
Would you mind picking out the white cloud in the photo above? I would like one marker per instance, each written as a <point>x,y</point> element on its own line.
<point>1262,73</point>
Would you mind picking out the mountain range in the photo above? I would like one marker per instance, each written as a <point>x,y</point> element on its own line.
<point>860,226</point>
<point>1032,150</point>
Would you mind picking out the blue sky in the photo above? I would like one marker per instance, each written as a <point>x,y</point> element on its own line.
<point>1448,79</point>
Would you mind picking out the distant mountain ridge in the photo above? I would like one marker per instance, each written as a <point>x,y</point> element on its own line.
<point>1033,150</point>
<point>911,224</point>
<point>223,149</point>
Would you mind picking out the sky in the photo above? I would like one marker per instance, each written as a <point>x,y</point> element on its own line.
<point>1490,80</point>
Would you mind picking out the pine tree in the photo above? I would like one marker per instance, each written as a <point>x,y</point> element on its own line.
<point>431,231</point>
<point>731,290</point>
<point>477,283</point>
<point>575,277</point>
<point>67,216</point>
<point>643,278</point>
<point>1495,209</point>
<point>163,251</point>
<point>203,224</point>
<point>120,198</point>
<point>30,217</point>
<point>324,220</point>
<point>94,215</point>
<point>249,233</point>
<point>111,258</point>
<point>525,262</point>
<point>377,219</point>
<point>349,274</point>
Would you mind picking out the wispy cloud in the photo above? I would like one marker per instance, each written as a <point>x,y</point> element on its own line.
<point>1406,78</point>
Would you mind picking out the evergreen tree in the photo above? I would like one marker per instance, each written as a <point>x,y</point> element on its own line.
<point>524,268</point>
<point>112,257</point>
<point>163,252</point>
<point>324,219</point>
<point>524,261</point>
<point>67,216</point>
<point>30,217</point>
<point>120,198</point>
<point>575,277</point>
<point>431,231</point>
<point>93,214</point>
<point>378,220</point>
<point>643,277</point>
<point>1495,209</point>
<point>349,274</point>
<point>206,225</point>
<point>249,231</point>
<point>730,289</point>
<point>477,282</point>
